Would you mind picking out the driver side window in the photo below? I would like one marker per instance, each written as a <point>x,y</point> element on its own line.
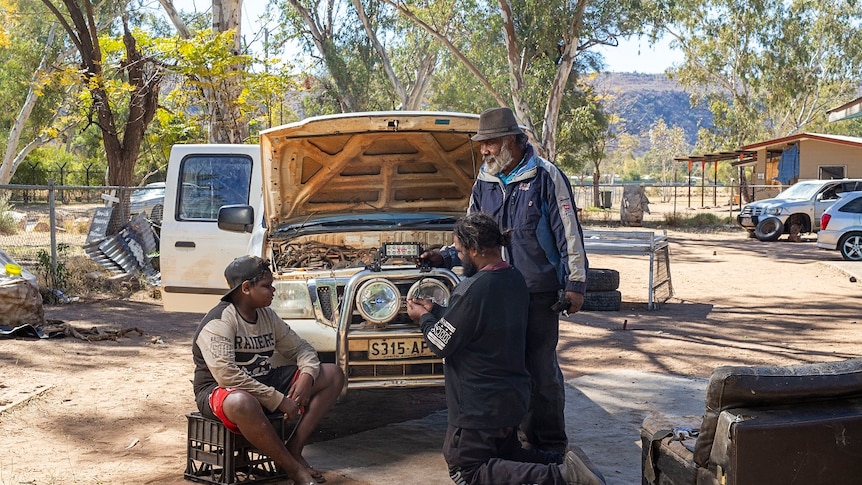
<point>829,194</point>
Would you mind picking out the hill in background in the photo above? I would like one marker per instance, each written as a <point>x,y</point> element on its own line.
<point>642,99</point>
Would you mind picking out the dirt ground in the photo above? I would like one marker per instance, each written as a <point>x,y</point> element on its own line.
<point>77,412</point>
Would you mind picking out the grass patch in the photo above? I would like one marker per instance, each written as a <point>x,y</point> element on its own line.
<point>68,278</point>
<point>705,220</point>
<point>593,213</point>
<point>7,222</point>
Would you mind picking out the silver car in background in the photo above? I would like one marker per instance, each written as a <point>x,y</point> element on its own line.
<point>148,200</point>
<point>841,226</point>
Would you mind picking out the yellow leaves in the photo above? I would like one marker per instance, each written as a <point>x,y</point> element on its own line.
<point>208,54</point>
<point>8,23</point>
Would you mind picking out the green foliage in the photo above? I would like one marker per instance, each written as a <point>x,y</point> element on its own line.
<point>348,74</point>
<point>55,163</point>
<point>767,68</point>
<point>55,277</point>
<point>454,87</point>
<point>588,129</point>
<point>7,222</point>
<point>70,276</point>
<point>631,176</point>
<point>28,25</point>
<point>205,62</point>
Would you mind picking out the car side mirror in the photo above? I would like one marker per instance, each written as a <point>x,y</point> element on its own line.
<point>236,218</point>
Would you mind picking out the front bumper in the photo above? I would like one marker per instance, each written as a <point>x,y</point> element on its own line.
<point>747,221</point>
<point>354,347</point>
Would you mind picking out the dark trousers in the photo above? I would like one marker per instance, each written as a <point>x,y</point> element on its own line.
<point>544,425</point>
<point>495,457</point>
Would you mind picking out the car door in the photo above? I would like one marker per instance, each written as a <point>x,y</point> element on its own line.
<point>194,251</point>
<point>854,208</point>
<point>823,200</point>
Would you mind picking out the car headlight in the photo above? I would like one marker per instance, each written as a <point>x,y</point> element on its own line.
<point>291,300</point>
<point>430,289</point>
<point>378,300</point>
<point>773,211</point>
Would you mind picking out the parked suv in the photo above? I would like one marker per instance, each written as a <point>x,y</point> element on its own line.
<point>841,227</point>
<point>794,211</point>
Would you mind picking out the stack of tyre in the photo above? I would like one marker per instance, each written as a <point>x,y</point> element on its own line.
<point>602,293</point>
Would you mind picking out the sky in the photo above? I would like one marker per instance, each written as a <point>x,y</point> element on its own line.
<point>632,55</point>
<point>635,55</point>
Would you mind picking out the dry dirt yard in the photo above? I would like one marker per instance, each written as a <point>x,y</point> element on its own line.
<point>113,412</point>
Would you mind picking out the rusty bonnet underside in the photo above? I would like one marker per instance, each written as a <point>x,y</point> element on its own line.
<point>369,163</point>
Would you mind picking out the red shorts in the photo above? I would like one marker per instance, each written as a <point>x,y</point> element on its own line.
<point>216,401</point>
<point>217,398</point>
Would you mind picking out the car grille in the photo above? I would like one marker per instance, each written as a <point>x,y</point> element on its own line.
<point>751,211</point>
<point>324,296</point>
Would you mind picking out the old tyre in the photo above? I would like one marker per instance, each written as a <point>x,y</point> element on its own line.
<point>851,246</point>
<point>599,279</point>
<point>602,301</point>
<point>769,229</point>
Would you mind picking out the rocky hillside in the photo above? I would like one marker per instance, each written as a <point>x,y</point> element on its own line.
<point>642,99</point>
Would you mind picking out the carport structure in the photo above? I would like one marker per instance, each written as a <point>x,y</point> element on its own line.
<point>784,161</point>
<point>736,158</point>
<point>767,167</point>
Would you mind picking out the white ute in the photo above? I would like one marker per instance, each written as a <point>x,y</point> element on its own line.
<point>342,205</point>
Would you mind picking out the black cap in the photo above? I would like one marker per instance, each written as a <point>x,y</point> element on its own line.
<point>242,269</point>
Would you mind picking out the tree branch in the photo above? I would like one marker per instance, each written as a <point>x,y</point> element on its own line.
<point>451,47</point>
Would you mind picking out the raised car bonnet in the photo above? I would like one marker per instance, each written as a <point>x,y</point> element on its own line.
<point>369,163</point>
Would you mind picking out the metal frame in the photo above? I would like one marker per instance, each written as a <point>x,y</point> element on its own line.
<point>638,243</point>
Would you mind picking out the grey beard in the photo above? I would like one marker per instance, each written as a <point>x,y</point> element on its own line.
<point>496,164</point>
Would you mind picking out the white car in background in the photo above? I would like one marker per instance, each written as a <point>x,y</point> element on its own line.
<point>841,227</point>
<point>796,210</point>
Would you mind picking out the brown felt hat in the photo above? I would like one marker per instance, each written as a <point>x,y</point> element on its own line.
<point>242,269</point>
<point>496,122</point>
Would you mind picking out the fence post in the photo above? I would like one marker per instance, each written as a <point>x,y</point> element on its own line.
<point>52,217</point>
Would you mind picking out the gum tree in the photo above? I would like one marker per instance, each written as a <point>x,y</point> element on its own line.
<point>766,68</point>
<point>34,89</point>
<point>537,52</point>
<point>134,77</point>
<point>387,64</point>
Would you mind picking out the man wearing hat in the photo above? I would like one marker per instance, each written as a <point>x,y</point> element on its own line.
<point>237,380</point>
<point>531,197</point>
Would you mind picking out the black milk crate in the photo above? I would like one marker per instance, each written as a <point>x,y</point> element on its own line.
<point>215,455</point>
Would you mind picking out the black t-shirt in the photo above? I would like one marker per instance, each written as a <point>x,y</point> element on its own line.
<point>482,337</point>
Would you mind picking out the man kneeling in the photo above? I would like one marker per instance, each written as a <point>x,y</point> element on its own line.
<point>482,337</point>
<point>235,350</point>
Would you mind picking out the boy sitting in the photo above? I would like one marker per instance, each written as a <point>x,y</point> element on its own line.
<point>236,382</point>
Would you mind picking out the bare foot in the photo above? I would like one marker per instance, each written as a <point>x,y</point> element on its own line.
<point>302,477</point>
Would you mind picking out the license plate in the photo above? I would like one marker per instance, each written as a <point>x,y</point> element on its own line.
<point>745,221</point>
<point>398,348</point>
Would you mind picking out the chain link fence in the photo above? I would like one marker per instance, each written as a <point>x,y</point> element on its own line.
<point>683,197</point>
<point>37,221</point>
<point>40,219</point>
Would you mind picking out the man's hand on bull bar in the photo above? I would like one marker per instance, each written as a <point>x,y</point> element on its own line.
<point>432,258</point>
